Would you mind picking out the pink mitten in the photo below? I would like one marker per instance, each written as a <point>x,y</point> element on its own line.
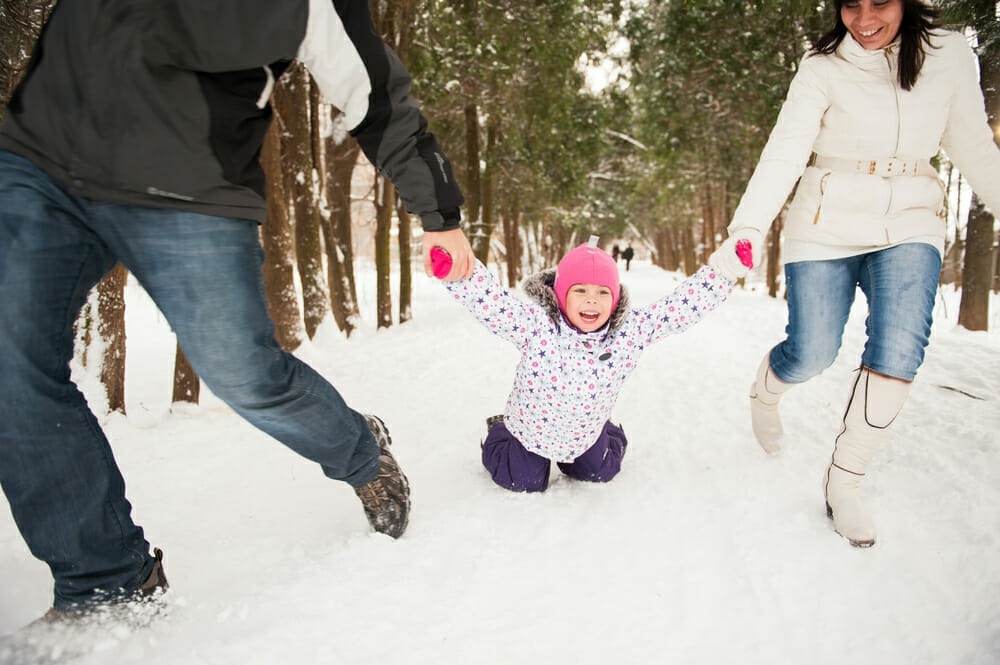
<point>744,251</point>
<point>440,262</point>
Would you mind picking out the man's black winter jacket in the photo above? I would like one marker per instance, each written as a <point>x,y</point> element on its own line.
<point>165,102</point>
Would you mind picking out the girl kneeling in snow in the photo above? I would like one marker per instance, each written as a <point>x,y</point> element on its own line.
<point>579,340</point>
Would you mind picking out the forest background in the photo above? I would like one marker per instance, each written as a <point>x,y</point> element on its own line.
<point>640,122</point>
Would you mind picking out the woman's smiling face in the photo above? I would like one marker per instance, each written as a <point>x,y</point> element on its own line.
<point>873,23</point>
<point>588,306</point>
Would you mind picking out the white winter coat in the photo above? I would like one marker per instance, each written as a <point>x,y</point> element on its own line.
<point>849,105</point>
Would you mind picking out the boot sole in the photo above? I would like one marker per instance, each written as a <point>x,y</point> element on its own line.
<point>393,529</point>
<point>862,544</point>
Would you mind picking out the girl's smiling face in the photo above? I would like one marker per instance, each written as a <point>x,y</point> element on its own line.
<point>872,23</point>
<point>588,306</point>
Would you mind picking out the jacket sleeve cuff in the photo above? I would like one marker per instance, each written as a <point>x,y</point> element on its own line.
<point>442,220</point>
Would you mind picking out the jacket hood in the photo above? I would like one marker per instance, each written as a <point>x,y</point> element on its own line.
<point>539,287</point>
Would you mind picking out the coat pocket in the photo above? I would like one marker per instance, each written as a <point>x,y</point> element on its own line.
<point>856,193</point>
<point>805,206</point>
<point>861,210</point>
<point>922,192</point>
<point>823,194</point>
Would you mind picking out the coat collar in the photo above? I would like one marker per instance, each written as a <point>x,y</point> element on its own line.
<point>856,54</point>
<point>539,288</point>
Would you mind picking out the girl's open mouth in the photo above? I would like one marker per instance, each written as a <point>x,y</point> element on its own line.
<point>589,317</point>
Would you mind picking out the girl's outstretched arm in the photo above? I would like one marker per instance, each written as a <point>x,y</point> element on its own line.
<point>685,306</point>
<point>503,313</point>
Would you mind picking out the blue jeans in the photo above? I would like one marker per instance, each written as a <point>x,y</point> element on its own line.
<point>66,493</point>
<point>900,283</point>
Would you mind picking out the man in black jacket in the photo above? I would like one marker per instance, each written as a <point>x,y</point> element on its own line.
<point>134,136</point>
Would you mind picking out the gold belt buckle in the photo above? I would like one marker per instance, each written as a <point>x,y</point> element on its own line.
<point>871,167</point>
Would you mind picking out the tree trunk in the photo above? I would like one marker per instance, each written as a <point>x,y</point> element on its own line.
<point>977,274</point>
<point>342,156</point>
<point>512,237</point>
<point>667,256</point>
<point>773,251</point>
<point>487,211</point>
<point>690,256</point>
<point>405,263</point>
<point>279,262</point>
<point>384,194</point>
<point>977,271</point>
<point>83,333</point>
<point>291,103</point>
<point>532,233</point>
<point>393,21</point>
<point>660,240</point>
<point>111,328</point>
<point>187,386</point>
<point>479,234</point>
<point>676,248</point>
<point>996,265</point>
<point>708,221</point>
<point>308,225</point>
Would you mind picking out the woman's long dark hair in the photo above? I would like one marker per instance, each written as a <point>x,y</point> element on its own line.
<point>919,19</point>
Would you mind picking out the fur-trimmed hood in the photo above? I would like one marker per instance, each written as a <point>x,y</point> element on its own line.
<point>538,287</point>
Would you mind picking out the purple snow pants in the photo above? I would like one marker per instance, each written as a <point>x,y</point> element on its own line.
<point>515,468</point>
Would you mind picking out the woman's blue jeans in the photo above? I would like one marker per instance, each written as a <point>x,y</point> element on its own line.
<point>900,283</point>
<point>65,491</point>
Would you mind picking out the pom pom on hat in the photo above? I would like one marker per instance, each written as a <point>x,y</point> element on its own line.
<point>587,264</point>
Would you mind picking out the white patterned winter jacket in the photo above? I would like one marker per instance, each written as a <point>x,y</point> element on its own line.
<point>567,381</point>
<point>849,105</point>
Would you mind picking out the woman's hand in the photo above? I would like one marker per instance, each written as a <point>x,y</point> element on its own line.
<point>726,260</point>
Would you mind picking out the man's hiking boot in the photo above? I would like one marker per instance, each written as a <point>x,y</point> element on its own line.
<point>386,499</point>
<point>156,583</point>
<point>66,635</point>
<point>148,592</point>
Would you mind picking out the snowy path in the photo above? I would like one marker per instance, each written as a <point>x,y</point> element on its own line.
<point>704,550</point>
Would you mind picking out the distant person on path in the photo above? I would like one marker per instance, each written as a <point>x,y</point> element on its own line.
<point>628,254</point>
<point>135,137</point>
<point>615,253</point>
<point>870,105</point>
<point>579,340</point>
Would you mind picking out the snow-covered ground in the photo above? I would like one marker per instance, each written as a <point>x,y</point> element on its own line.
<point>703,550</point>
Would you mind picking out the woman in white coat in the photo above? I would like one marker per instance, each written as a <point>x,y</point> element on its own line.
<point>870,105</point>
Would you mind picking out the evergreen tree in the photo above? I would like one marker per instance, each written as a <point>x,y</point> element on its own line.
<point>504,82</point>
<point>979,272</point>
<point>709,77</point>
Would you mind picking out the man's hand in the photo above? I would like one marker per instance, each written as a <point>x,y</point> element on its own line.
<point>463,261</point>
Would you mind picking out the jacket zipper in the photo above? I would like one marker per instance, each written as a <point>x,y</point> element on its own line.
<point>895,92</point>
<point>899,122</point>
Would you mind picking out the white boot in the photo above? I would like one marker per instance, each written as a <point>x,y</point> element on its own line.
<point>765,392</point>
<point>874,403</point>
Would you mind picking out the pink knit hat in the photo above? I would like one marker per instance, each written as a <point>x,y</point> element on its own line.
<point>587,264</point>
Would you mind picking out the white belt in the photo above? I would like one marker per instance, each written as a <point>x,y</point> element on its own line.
<point>884,168</point>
